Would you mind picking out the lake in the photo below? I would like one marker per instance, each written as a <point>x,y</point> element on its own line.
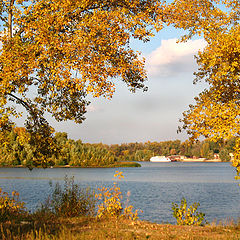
<point>153,187</point>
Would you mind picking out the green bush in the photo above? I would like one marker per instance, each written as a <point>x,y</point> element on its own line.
<point>125,164</point>
<point>224,155</point>
<point>70,201</point>
<point>188,216</point>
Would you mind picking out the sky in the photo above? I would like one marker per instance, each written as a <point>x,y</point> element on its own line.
<point>145,116</point>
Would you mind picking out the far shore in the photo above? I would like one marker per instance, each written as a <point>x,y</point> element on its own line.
<point>200,160</point>
<point>123,164</point>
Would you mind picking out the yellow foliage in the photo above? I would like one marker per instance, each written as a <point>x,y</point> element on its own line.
<point>236,160</point>
<point>111,202</point>
<point>64,50</point>
<point>10,206</point>
<point>119,175</point>
<point>129,214</point>
<point>22,135</point>
<point>188,215</point>
<point>215,113</point>
<point>68,49</point>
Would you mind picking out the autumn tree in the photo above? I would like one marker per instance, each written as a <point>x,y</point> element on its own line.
<point>55,53</point>
<point>216,113</point>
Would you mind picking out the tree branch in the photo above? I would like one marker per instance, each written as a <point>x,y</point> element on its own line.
<point>10,18</point>
<point>25,104</point>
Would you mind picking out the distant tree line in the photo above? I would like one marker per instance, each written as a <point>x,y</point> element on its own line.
<point>201,149</point>
<point>19,151</point>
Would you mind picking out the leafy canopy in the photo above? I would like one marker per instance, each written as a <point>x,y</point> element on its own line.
<point>215,113</point>
<point>54,53</point>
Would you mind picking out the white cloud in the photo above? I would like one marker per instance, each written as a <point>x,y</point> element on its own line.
<point>172,57</point>
<point>91,108</point>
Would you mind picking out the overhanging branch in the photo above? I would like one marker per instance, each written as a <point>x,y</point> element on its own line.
<point>25,104</point>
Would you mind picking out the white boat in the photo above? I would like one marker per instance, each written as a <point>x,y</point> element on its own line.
<point>160,159</point>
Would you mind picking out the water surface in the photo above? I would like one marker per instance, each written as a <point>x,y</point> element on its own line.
<point>153,187</point>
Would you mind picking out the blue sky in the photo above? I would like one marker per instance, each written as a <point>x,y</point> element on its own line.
<point>144,116</point>
<point>148,116</point>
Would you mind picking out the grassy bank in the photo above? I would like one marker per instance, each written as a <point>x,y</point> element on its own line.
<point>91,228</point>
<point>115,165</point>
<point>125,164</point>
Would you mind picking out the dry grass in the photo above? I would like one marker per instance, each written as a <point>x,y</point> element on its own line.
<point>90,228</point>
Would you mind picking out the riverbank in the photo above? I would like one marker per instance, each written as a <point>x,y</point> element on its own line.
<point>114,165</point>
<point>91,228</point>
<point>46,224</point>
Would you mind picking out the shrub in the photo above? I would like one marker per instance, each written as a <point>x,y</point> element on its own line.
<point>10,207</point>
<point>188,216</point>
<point>126,164</point>
<point>70,201</point>
<point>111,202</point>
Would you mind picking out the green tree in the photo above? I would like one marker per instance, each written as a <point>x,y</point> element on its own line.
<point>224,155</point>
<point>196,150</point>
<point>206,152</point>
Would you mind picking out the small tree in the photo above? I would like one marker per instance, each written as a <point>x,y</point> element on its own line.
<point>188,216</point>
<point>111,202</point>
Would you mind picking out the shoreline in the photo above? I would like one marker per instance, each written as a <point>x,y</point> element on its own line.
<point>116,165</point>
<point>120,166</point>
<point>201,160</point>
<point>112,228</point>
<point>124,164</point>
